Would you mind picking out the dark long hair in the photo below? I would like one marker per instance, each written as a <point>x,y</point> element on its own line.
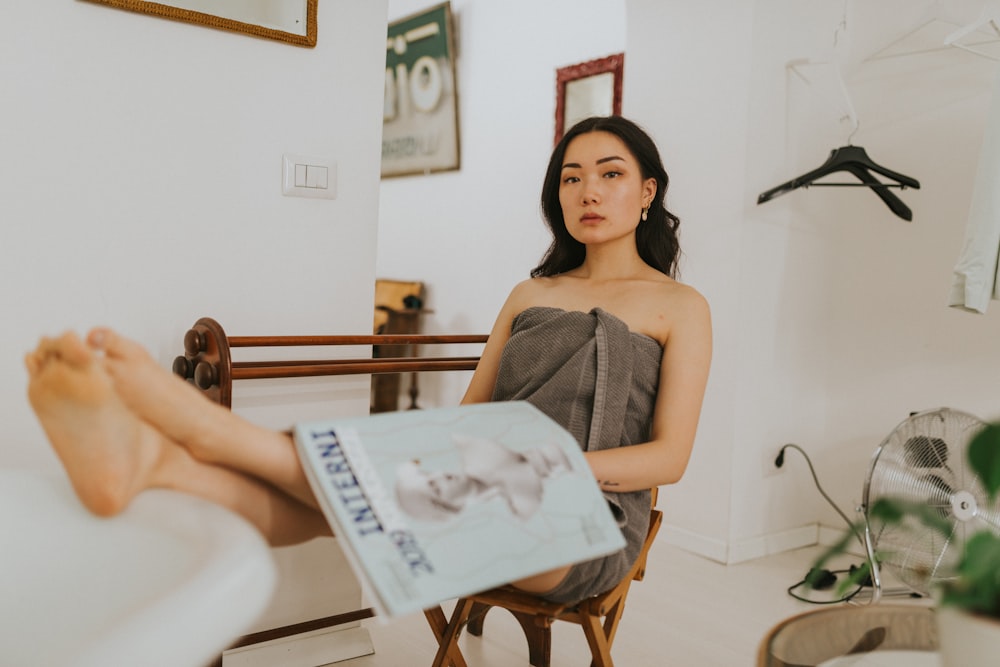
<point>655,238</point>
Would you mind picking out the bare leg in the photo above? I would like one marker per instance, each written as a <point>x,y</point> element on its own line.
<point>110,455</point>
<point>542,583</point>
<point>209,431</point>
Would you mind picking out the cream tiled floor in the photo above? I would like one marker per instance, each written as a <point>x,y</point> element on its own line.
<point>688,612</point>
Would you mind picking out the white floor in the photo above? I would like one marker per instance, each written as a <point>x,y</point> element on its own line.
<point>688,612</point>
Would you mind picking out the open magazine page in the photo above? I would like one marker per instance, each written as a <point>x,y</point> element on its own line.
<point>435,504</point>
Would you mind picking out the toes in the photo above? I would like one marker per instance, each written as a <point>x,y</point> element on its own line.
<point>99,337</point>
<point>72,350</point>
<point>113,344</point>
<point>32,363</point>
<point>66,348</point>
<point>45,349</point>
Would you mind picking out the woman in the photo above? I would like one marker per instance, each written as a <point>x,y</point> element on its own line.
<point>602,338</point>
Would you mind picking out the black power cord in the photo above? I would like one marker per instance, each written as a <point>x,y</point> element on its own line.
<point>822,579</point>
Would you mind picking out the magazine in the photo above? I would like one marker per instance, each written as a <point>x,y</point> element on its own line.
<point>436,504</point>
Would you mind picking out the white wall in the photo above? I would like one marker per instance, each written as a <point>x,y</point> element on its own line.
<point>829,311</point>
<point>831,321</point>
<point>687,83</point>
<point>472,234</point>
<point>140,187</point>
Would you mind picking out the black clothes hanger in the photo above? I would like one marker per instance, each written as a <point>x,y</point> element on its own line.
<point>853,160</point>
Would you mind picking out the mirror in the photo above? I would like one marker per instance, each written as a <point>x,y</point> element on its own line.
<point>290,21</point>
<point>593,88</point>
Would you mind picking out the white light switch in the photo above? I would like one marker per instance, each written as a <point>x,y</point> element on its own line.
<point>316,176</point>
<point>309,177</point>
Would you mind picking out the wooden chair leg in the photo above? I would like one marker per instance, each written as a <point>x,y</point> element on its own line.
<point>476,618</point>
<point>448,653</point>
<point>538,634</point>
<point>611,621</point>
<point>599,647</point>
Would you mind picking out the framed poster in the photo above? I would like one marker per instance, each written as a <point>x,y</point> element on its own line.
<point>420,117</point>
<point>593,88</point>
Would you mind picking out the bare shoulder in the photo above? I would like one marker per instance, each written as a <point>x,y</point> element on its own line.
<point>685,299</point>
<point>668,308</point>
<point>530,292</point>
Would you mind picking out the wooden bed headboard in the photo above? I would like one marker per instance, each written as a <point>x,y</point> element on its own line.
<point>208,364</point>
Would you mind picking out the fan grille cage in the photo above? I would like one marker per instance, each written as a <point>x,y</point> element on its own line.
<point>924,461</point>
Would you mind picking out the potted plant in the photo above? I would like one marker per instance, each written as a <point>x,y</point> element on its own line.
<point>968,605</point>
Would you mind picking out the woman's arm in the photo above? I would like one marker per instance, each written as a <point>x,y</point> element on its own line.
<point>683,376</point>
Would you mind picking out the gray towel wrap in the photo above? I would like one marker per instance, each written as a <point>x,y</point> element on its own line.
<point>598,379</point>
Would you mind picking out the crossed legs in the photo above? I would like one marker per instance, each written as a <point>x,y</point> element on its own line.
<point>121,424</point>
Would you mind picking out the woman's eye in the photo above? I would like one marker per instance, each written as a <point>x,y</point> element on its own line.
<point>571,179</point>
<point>612,174</point>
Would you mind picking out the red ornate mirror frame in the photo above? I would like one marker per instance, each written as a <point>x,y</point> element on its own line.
<point>601,79</point>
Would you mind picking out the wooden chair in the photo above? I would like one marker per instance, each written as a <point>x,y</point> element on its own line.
<point>536,615</point>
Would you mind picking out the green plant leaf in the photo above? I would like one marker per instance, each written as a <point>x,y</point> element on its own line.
<point>896,511</point>
<point>977,588</point>
<point>855,579</point>
<point>984,457</point>
<point>979,562</point>
<point>835,550</point>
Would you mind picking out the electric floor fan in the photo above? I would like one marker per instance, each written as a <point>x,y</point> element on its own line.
<point>924,460</point>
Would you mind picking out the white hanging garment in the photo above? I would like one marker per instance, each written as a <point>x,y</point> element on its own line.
<point>975,281</point>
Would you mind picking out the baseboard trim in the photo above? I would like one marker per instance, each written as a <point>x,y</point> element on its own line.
<point>774,543</point>
<point>309,649</point>
<point>730,553</point>
<point>829,536</point>
<point>701,545</point>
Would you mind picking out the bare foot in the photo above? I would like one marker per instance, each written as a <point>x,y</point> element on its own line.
<point>108,453</point>
<point>154,394</point>
<point>210,432</point>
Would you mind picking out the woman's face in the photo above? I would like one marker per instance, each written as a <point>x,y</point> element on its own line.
<point>602,191</point>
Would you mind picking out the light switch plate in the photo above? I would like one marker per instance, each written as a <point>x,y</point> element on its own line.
<point>304,176</point>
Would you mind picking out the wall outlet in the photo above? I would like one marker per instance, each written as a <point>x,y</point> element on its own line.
<point>767,466</point>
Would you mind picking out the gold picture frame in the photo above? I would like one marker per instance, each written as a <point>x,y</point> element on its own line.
<point>181,10</point>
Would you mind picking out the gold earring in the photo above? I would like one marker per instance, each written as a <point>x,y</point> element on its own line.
<point>645,213</point>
